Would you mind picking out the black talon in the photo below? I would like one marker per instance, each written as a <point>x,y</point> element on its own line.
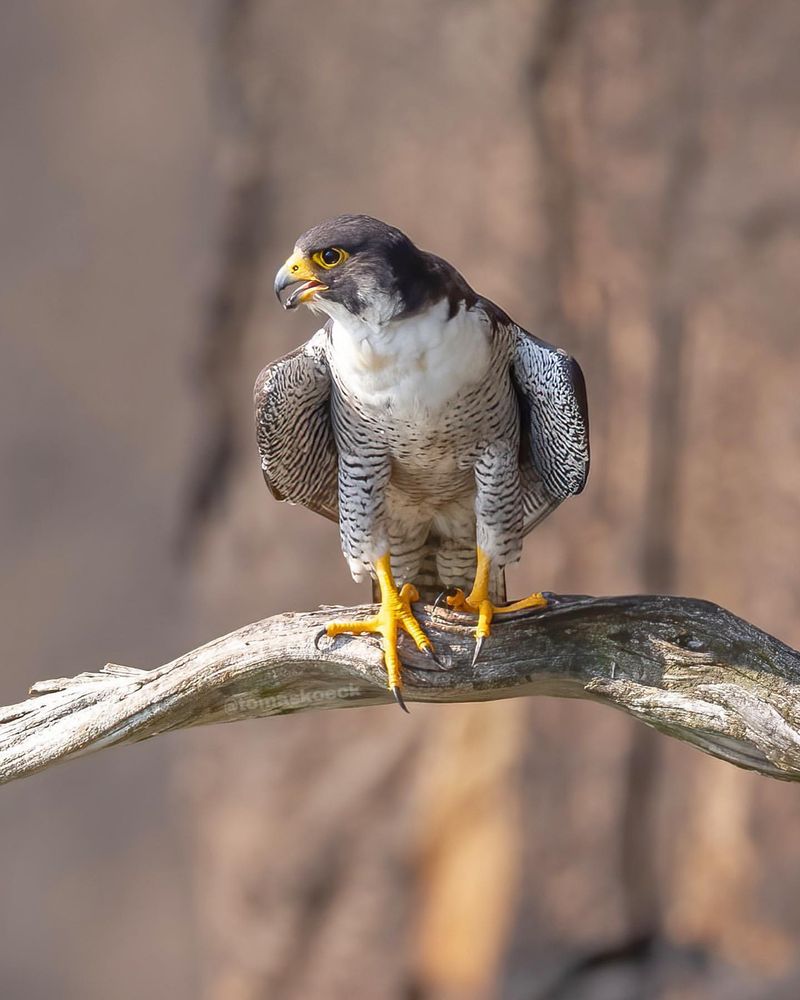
<point>318,636</point>
<point>398,697</point>
<point>477,653</point>
<point>438,602</point>
<point>431,654</point>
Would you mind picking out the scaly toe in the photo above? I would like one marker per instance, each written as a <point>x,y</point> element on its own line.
<point>533,601</point>
<point>408,622</point>
<point>368,626</point>
<point>408,595</point>
<point>458,601</point>
<point>395,613</point>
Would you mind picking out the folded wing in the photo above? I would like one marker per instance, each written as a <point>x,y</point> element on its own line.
<point>555,425</point>
<point>294,432</point>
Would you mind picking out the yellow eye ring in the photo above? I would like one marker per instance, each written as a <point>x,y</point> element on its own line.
<point>330,257</point>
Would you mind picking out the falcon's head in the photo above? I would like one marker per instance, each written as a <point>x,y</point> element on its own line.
<point>358,265</point>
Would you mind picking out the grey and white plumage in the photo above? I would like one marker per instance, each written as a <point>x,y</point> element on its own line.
<point>420,417</point>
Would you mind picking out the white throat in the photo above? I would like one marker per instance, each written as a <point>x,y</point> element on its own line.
<point>410,366</point>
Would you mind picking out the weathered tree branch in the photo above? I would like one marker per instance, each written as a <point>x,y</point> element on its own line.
<point>685,667</point>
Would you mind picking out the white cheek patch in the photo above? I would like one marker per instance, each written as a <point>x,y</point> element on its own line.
<point>379,310</point>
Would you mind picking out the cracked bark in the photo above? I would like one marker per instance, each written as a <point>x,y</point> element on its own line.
<point>685,667</point>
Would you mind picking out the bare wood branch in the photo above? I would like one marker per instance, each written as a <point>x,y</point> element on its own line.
<point>685,667</point>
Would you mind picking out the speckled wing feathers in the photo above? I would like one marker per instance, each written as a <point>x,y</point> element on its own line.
<point>293,429</point>
<point>552,395</point>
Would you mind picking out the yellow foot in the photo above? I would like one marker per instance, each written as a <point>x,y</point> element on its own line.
<point>395,614</point>
<point>478,603</point>
<point>485,610</point>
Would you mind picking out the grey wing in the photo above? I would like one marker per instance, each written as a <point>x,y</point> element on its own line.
<point>294,431</point>
<point>555,424</point>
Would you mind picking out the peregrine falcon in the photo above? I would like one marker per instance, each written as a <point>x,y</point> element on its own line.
<point>429,425</point>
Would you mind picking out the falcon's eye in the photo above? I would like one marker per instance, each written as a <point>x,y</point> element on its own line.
<point>330,257</point>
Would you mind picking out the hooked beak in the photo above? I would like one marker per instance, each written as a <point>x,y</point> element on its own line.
<point>297,271</point>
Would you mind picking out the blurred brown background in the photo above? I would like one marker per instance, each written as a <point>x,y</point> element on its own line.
<point>624,178</point>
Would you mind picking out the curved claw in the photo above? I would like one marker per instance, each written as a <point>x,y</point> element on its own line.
<point>318,636</point>
<point>440,601</point>
<point>398,697</point>
<point>430,652</point>
<point>478,648</point>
